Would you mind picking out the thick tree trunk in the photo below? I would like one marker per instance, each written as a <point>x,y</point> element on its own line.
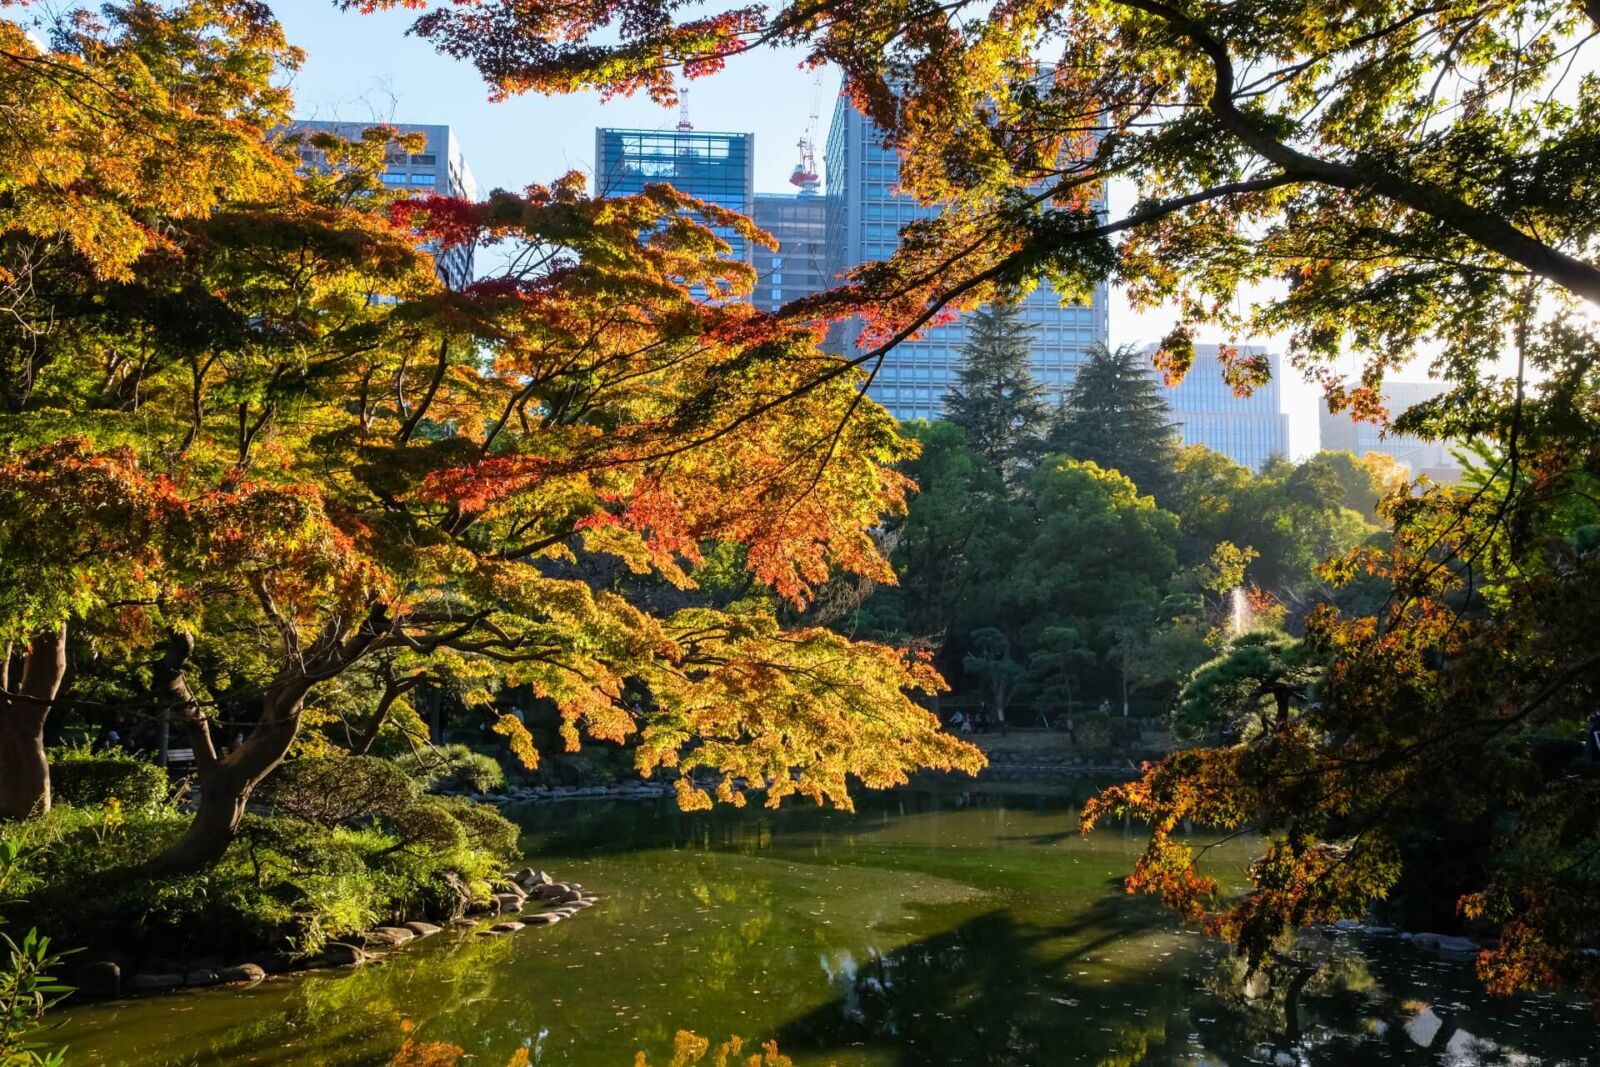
<point>29,683</point>
<point>226,782</point>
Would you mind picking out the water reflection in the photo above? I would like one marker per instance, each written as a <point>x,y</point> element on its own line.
<point>932,928</point>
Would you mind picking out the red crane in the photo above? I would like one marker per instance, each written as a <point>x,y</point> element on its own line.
<point>805,176</point>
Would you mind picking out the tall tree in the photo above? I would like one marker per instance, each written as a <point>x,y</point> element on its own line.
<point>1114,415</point>
<point>1100,556</point>
<point>996,399</point>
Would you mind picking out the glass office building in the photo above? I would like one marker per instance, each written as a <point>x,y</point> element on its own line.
<point>799,267</point>
<point>864,215</point>
<point>1341,433</point>
<point>719,167</point>
<point>1250,430</point>
<point>440,168</point>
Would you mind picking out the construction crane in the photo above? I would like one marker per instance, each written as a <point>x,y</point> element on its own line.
<point>805,176</point>
<point>684,125</point>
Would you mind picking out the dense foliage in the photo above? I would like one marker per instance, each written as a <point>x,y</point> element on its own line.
<point>88,779</point>
<point>268,472</point>
<point>1063,583</point>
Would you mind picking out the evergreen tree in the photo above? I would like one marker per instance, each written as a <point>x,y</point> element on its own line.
<point>997,402</point>
<point>1115,416</point>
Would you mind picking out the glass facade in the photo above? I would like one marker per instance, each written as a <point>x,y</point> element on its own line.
<point>719,167</point>
<point>440,168</point>
<point>1250,430</point>
<point>864,213</point>
<point>799,267</point>
<point>1341,433</point>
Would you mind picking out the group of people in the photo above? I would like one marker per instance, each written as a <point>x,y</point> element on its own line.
<point>977,722</point>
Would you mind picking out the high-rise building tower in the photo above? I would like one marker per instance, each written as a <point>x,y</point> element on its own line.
<point>799,266</point>
<point>1341,433</point>
<point>718,167</point>
<point>864,216</point>
<point>439,168</point>
<point>1250,430</point>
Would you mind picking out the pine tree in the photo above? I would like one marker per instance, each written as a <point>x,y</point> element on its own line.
<point>1115,416</point>
<point>997,402</point>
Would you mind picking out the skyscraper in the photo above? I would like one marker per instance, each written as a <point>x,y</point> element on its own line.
<point>1341,433</point>
<point>439,168</point>
<point>799,267</point>
<point>1248,429</point>
<point>718,167</point>
<point>864,216</point>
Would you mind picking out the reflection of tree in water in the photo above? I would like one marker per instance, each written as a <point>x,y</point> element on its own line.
<point>991,991</point>
<point>1349,1011</point>
<point>352,1017</point>
<point>599,828</point>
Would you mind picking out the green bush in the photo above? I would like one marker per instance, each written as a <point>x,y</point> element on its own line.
<point>452,767</point>
<point>486,829</point>
<point>427,825</point>
<point>88,779</point>
<point>336,790</point>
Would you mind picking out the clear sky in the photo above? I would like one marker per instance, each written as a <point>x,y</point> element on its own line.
<point>362,68</point>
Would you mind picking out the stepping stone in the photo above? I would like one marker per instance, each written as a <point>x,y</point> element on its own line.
<point>244,972</point>
<point>507,927</point>
<point>390,935</point>
<point>422,929</point>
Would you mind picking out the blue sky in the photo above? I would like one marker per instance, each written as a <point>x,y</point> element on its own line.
<point>364,67</point>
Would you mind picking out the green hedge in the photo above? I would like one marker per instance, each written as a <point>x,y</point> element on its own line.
<point>89,779</point>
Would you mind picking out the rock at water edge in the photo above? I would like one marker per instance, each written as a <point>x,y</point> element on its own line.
<point>244,972</point>
<point>339,954</point>
<point>422,929</point>
<point>100,978</point>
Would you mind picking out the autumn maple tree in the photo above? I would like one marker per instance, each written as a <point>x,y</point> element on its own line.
<point>274,452</point>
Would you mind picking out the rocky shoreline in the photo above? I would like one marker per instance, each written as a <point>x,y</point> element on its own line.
<point>526,898</point>
<point>545,794</point>
<point>1058,767</point>
<point>1000,767</point>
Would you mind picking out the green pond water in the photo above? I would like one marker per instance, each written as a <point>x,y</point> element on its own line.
<point>933,927</point>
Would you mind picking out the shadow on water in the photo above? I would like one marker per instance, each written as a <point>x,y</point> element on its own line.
<point>566,829</point>
<point>996,990</point>
<point>1009,993</point>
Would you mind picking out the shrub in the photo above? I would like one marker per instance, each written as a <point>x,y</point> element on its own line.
<point>335,790</point>
<point>453,767</point>
<point>486,829</point>
<point>88,779</point>
<point>427,824</point>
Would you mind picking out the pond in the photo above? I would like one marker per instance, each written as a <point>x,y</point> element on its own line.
<point>933,927</point>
